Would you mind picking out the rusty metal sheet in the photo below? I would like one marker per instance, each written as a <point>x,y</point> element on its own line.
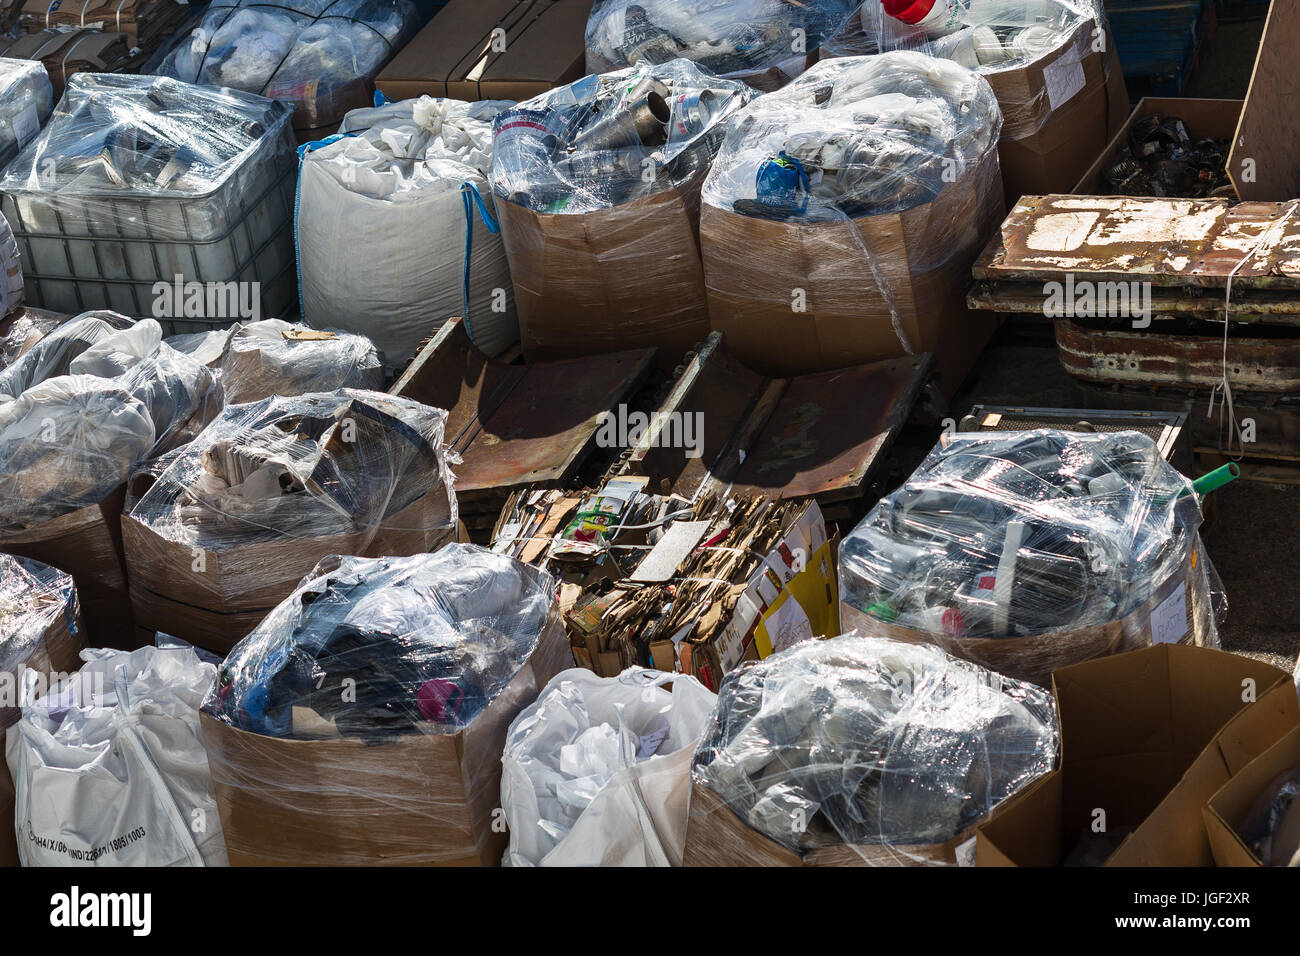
<point>516,425</point>
<point>1196,302</point>
<point>1142,358</point>
<point>1168,242</point>
<point>812,436</point>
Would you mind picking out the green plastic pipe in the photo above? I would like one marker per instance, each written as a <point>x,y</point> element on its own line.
<point>1216,479</point>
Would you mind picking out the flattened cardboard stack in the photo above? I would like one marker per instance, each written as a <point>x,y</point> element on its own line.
<point>65,52</point>
<point>145,23</point>
<point>1146,737</point>
<point>420,800</point>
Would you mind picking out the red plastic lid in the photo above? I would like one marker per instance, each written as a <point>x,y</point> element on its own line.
<point>909,11</point>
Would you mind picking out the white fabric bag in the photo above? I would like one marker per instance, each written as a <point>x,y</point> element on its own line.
<point>109,767</point>
<point>381,228</point>
<point>573,790</point>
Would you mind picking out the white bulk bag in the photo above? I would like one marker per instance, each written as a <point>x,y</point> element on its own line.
<point>381,227</point>
<point>573,790</point>
<point>109,768</point>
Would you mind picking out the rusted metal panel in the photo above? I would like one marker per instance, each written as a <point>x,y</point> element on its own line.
<point>1124,357</point>
<point>812,436</point>
<point>1167,242</point>
<point>516,425</point>
<point>1268,307</point>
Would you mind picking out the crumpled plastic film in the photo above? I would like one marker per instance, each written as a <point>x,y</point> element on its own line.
<point>597,186</point>
<point>1029,551</point>
<point>876,749</point>
<point>141,157</point>
<point>397,188</point>
<point>274,357</point>
<point>38,605</point>
<point>318,55</point>
<point>765,43</point>
<point>85,406</point>
<point>361,722</point>
<point>11,291</point>
<point>999,39</point>
<point>26,99</point>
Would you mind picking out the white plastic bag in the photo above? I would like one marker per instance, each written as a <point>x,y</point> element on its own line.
<point>109,767</point>
<point>573,790</point>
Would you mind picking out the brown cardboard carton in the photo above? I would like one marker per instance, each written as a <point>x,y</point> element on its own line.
<point>421,800</point>
<point>624,277</point>
<point>1146,737</point>
<point>542,44</point>
<point>1204,119</point>
<point>923,256</point>
<point>214,598</point>
<point>1226,809</point>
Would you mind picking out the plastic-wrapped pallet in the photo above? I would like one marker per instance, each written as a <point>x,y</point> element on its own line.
<point>225,528</point>
<point>362,721</point>
<point>275,357</point>
<point>108,766</point>
<point>26,99</point>
<point>40,629</point>
<point>861,751</point>
<point>409,185</point>
<point>843,212</point>
<point>1029,551</point>
<point>764,43</point>
<point>1049,62</point>
<point>319,55</point>
<point>597,187</point>
<point>596,771</point>
<point>139,183</point>
<point>11,271</point>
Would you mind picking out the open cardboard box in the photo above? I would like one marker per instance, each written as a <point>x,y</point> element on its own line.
<point>1204,119</point>
<point>1227,808</point>
<point>1146,738</point>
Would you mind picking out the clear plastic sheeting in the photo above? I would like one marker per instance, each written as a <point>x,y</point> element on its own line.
<point>348,462</point>
<point>763,42</point>
<point>405,185</point>
<point>316,54</point>
<point>26,99</point>
<point>109,767</point>
<point>421,644</point>
<point>36,601</point>
<point>280,358</point>
<point>991,37</point>
<point>612,138</point>
<point>1027,551</point>
<point>85,406</point>
<point>857,137</point>
<point>1271,827</point>
<point>596,772</point>
<point>11,278</point>
<point>883,747</point>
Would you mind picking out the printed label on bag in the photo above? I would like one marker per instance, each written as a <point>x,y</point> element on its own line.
<point>966,853</point>
<point>1169,619</point>
<point>1063,78</point>
<point>90,855</point>
<point>26,125</point>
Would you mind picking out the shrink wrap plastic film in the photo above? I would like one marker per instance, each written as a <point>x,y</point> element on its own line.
<point>11,287</point>
<point>26,330</point>
<point>763,42</point>
<point>878,746</point>
<point>349,464</point>
<point>139,157</point>
<point>992,37</point>
<point>86,405</point>
<point>436,650</point>
<point>26,99</point>
<point>318,55</point>
<point>396,186</point>
<point>37,604</point>
<point>1028,551</point>
<point>611,138</point>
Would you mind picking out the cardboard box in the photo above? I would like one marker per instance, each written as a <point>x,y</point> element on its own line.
<point>542,45</point>
<point>87,544</point>
<point>1227,807</point>
<point>715,836</point>
<point>1146,738</point>
<point>753,266</point>
<point>612,279</point>
<point>1050,134</point>
<point>420,800</point>
<point>214,598</point>
<point>1204,119</point>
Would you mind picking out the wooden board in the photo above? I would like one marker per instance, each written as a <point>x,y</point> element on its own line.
<point>1269,129</point>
